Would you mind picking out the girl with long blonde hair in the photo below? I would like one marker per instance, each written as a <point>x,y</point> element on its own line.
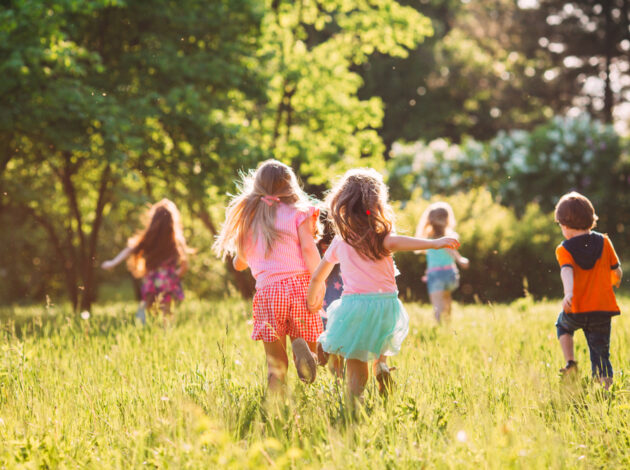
<point>271,227</point>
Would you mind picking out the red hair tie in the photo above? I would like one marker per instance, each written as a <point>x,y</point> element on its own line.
<point>368,212</point>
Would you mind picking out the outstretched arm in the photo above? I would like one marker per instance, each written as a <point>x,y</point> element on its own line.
<point>317,286</point>
<point>459,259</point>
<point>402,243</point>
<point>112,263</point>
<point>566,274</point>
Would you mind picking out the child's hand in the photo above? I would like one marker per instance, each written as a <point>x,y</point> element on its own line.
<point>447,242</point>
<point>567,302</point>
<point>425,278</point>
<point>315,302</point>
<point>108,265</point>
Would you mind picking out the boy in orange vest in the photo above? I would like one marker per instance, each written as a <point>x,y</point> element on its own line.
<point>589,267</point>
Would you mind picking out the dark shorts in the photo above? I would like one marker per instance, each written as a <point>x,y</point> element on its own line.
<point>596,328</point>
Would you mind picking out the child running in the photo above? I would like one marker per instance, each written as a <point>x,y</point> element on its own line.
<point>442,276</point>
<point>368,322</point>
<point>271,227</point>
<point>158,255</point>
<point>589,267</point>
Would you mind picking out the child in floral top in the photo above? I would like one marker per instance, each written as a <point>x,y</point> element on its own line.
<point>159,256</point>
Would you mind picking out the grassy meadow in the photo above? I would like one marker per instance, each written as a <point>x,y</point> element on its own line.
<point>483,392</point>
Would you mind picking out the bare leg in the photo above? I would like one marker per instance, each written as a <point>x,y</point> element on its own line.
<point>335,363</point>
<point>437,300</point>
<point>277,364</point>
<point>566,343</point>
<point>447,302</point>
<point>357,376</point>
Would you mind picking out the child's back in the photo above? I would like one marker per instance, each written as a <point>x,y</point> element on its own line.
<point>285,260</point>
<point>361,275</point>
<point>592,257</point>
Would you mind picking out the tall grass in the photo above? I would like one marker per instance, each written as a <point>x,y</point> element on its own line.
<point>483,392</point>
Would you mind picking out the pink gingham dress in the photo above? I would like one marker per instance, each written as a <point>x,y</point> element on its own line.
<point>282,280</point>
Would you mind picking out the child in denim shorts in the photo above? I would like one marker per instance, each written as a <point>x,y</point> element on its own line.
<point>589,268</point>
<point>442,275</point>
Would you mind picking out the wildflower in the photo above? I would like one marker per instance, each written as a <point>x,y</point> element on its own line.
<point>85,315</point>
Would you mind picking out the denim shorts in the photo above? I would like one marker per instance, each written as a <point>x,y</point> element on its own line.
<point>596,329</point>
<point>442,280</point>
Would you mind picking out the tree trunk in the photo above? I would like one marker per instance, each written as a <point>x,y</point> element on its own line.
<point>608,51</point>
<point>89,293</point>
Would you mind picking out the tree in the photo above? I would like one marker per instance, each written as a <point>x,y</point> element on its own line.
<point>590,42</point>
<point>482,71</point>
<point>98,91</point>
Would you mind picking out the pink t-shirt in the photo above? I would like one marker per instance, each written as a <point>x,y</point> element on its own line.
<point>362,275</point>
<point>284,260</point>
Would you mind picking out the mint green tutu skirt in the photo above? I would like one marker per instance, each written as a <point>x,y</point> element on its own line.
<point>365,326</point>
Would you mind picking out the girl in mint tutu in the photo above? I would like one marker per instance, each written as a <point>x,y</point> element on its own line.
<point>368,322</point>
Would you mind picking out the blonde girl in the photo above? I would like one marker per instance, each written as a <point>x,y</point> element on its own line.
<point>158,255</point>
<point>271,227</point>
<point>442,275</point>
<point>368,322</point>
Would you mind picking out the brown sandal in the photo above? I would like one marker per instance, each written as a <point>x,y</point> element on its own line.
<point>304,361</point>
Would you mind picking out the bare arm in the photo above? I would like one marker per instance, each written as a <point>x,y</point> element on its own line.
<point>307,244</point>
<point>618,274</point>
<point>459,259</point>
<point>401,243</point>
<point>112,263</point>
<point>239,263</point>
<point>566,274</point>
<point>317,286</point>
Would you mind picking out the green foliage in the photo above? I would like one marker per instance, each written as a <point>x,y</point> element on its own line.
<point>107,105</point>
<point>314,119</point>
<point>482,71</point>
<point>482,393</point>
<point>109,102</point>
<point>589,41</point>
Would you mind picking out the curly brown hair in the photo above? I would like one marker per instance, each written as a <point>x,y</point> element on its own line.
<point>360,213</point>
